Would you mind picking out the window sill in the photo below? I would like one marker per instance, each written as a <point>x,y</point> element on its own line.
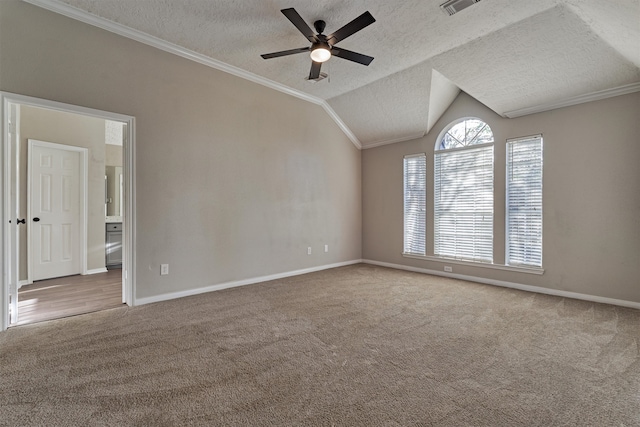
<point>528,270</point>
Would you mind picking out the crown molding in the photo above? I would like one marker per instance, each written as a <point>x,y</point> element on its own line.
<point>139,36</point>
<point>341,124</point>
<point>581,99</point>
<point>366,146</point>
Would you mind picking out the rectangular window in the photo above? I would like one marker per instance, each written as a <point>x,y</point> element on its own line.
<point>415,204</point>
<point>524,202</point>
<point>463,203</point>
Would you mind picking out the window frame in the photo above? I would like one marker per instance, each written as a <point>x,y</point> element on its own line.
<point>508,216</point>
<point>406,246</point>
<point>461,256</point>
<point>430,223</point>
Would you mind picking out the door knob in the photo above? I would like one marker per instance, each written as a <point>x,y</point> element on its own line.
<point>36,219</point>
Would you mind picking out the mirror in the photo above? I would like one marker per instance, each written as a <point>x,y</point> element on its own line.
<point>113,190</point>
<point>113,179</point>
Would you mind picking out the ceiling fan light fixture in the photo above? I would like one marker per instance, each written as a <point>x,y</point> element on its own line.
<point>320,52</point>
<point>321,45</point>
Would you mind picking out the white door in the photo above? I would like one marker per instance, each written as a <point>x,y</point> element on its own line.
<point>55,210</point>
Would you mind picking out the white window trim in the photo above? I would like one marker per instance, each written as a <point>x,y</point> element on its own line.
<point>506,206</point>
<point>489,265</point>
<point>468,147</point>
<point>404,219</point>
<point>438,151</point>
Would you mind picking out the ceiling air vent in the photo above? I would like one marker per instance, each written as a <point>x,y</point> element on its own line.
<point>454,6</point>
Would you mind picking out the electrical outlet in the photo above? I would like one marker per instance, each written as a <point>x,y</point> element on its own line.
<point>448,269</point>
<point>309,250</point>
<point>326,248</point>
<point>164,269</point>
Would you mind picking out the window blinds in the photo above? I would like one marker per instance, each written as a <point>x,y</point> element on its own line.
<point>415,204</point>
<point>524,202</point>
<point>463,204</point>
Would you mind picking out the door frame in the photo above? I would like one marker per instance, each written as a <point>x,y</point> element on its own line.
<point>84,197</point>
<point>8,252</point>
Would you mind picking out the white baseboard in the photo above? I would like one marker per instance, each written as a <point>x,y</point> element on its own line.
<point>94,271</point>
<point>234,284</point>
<point>528,288</point>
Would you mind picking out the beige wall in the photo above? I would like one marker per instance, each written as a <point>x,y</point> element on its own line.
<point>591,241</point>
<point>78,131</point>
<point>234,180</point>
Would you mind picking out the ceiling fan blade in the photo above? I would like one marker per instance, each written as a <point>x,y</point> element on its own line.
<point>315,70</point>
<point>302,26</point>
<point>351,56</point>
<point>352,27</point>
<point>285,53</point>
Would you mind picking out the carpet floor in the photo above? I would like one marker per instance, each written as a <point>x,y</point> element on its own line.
<point>352,346</point>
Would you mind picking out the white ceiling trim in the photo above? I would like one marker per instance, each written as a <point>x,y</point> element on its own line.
<point>340,123</point>
<point>581,99</point>
<point>393,141</point>
<point>114,27</point>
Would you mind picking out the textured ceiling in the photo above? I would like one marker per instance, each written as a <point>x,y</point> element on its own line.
<point>511,55</point>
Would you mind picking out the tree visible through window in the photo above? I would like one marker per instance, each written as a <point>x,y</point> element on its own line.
<point>463,192</point>
<point>466,133</point>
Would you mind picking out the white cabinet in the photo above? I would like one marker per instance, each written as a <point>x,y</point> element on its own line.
<point>113,244</point>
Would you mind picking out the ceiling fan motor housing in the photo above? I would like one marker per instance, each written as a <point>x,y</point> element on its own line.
<point>319,26</point>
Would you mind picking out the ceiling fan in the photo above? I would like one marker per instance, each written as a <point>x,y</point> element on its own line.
<point>323,47</point>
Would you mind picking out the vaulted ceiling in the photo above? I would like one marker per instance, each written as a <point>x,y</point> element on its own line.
<point>515,56</point>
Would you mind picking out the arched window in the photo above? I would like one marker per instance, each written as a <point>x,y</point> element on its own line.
<point>465,133</point>
<point>463,191</point>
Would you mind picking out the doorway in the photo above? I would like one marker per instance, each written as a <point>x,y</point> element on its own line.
<point>88,290</point>
<point>69,296</point>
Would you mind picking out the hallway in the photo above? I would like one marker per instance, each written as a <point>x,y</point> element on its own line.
<point>69,296</point>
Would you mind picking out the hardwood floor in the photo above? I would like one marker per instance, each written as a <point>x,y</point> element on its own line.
<point>69,296</point>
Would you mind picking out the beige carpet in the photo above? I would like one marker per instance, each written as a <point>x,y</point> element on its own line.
<point>358,345</point>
